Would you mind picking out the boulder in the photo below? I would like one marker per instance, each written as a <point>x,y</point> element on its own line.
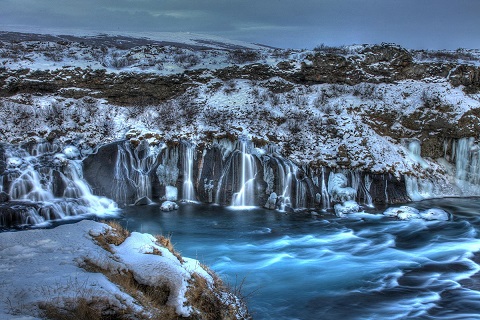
<point>271,201</point>
<point>144,201</point>
<point>435,214</point>
<point>168,206</point>
<point>4,197</point>
<point>346,207</point>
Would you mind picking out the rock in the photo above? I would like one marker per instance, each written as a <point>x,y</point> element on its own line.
<point>404,210</point>
<point>171,193</point>
<point>271,201</point>
<point>408,215</point>
<point>71,152</point>
<point>144,201</point>
<point>4,197</point>
<point>168,206</point>
<point>435,214</point>
<point>347,207</point>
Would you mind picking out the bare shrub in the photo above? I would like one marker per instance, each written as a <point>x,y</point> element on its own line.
<point>364,91</point>
<point>244,56</point>
<point>323,48</point>
<point>188,60</point>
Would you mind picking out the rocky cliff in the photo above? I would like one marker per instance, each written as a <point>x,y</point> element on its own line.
<point>390,123</point>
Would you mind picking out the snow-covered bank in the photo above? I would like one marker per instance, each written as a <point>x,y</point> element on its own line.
<point>62,269</point>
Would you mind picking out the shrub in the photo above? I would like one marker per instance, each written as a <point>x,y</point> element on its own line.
<point>243,56</point>
<point>188,60</point>
<point>323,48</point>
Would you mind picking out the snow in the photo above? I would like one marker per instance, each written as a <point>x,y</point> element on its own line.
<point>44,266</point>
<point>168,206</point>
<point>409,213</point>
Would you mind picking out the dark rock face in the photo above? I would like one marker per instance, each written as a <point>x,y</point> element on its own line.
<point>216,177</point>
<point>386,189</point>
<point>14,214</point>
<point>121,89</point>
<point>4,197</point>
<point>99,171</point>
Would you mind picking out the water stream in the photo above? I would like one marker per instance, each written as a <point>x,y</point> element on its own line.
<point>304,266</point>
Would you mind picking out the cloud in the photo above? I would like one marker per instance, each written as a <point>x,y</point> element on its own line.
<point>283,23</point>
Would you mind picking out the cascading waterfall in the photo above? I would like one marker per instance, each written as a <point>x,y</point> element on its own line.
<point>48,186</point>
<point>134,168</point>
<point>121,179</point>
<point>245,197</point>
<point>417,189</point>
<point>325,195</point>
<point>168,172</point>
<point>143,160</point>
<point>188,193</point>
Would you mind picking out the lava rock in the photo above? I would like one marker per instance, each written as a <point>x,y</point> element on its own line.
<point>4,197</point>
<point>144,201</point>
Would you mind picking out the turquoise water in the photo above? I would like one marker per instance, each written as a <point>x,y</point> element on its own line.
<point>309,266</point>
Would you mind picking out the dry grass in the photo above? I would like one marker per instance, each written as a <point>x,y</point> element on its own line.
<point>116,236</point>
<point>93,308</point>
<point>152,298</point>
<point>167,243</point>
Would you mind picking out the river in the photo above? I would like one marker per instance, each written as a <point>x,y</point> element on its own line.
<point>318,266</point>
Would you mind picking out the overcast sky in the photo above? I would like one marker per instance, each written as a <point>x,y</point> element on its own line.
<point>433,24</point>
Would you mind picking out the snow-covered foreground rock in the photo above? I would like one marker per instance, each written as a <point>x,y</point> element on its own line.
<point>90,267</point>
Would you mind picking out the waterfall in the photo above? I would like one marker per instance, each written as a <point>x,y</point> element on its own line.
<point>325,194</point>
<point>465,153</point>
<point>168,173</point>
<point>188,192</point>
<point>418,189</point>
<point>367,182</point>
<point>44,185</point>
<point>246,194</point>
<point>134,168</point>
<point>121,176</point>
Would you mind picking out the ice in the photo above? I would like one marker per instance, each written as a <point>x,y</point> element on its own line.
<point>171,193</point>
<point>346,207</point>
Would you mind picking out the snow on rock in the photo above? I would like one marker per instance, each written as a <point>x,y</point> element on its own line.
<point>136,252</point>
<point>41,267</point>
<point>409,213</point>
<point>71,152</point>
<point>337,187</point>
<point>435,214</point>
<point>346,207</point>
<point>168,206</point>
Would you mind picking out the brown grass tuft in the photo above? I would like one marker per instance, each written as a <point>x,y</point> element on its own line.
<point>93,308</point>
<point>116,236</point>
<point>167,243</point>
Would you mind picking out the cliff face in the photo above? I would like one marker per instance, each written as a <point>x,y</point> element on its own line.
<point>303,117</point>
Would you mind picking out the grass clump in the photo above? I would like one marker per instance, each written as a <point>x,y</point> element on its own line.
<point>115,235</point>
<point>167,243</point>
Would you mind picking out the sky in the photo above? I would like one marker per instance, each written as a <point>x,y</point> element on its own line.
<point>299,24</point>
